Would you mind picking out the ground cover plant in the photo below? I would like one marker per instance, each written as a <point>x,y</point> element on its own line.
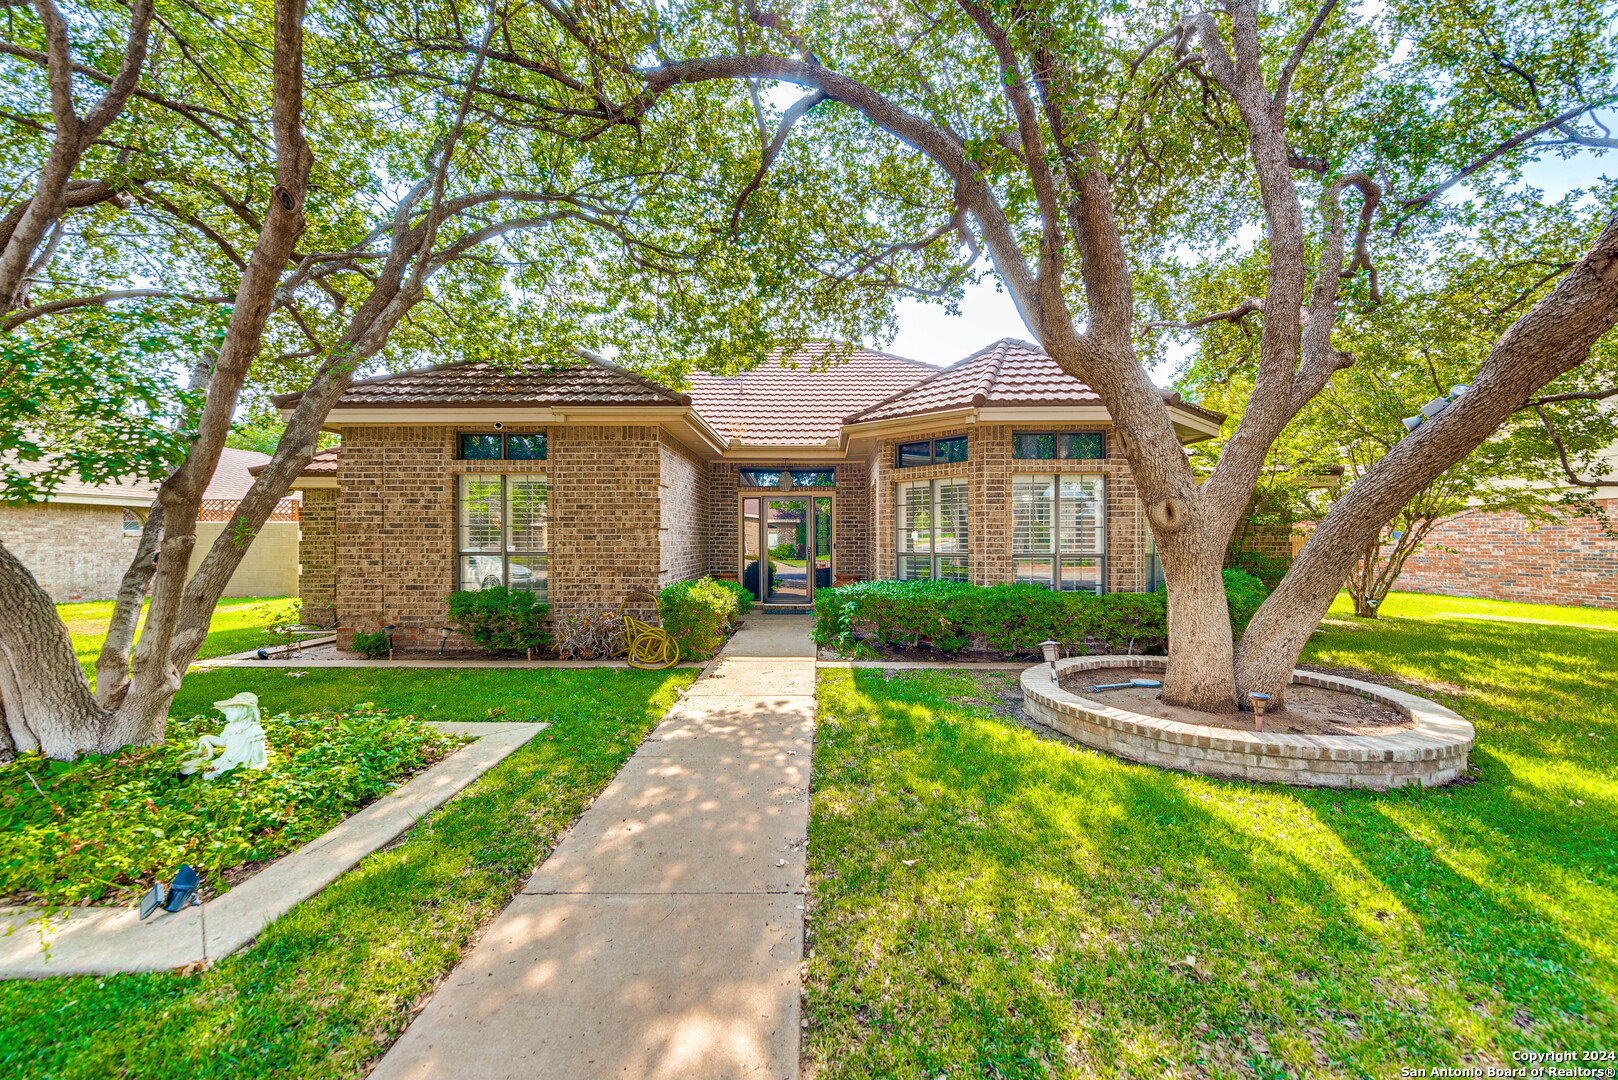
<point>990,903</point>
<point>103,827</point>
<point>237,626</point>
<point>326,988</point>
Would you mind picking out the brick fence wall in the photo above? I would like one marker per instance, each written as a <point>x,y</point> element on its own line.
<point>1496,557</point>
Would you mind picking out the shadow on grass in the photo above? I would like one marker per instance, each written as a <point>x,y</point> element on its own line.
<point>990,901</point>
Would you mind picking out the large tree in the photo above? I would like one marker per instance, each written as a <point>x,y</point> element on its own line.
<point>403,187</point>
<point>1444,304</point>
<point>1085,149</point>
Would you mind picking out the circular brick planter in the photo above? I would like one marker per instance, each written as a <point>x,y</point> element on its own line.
<point>1432,753</point>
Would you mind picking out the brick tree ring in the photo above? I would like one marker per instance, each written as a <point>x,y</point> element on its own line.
<point>1433,752</point>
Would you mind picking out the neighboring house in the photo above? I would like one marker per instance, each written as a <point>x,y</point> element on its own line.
<point>1499,556</point>
<point>79,542</point>
<point>585,482</point>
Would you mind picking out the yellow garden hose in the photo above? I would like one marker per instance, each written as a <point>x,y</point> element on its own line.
<point>647,646</point>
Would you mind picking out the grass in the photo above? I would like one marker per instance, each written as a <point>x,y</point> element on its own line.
<point>237,625</point>
<point>987,903</point>
<point>450,694</point>
<point>325,989</point>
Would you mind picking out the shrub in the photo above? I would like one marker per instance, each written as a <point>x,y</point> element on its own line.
<point>499,618</point>
<point>952,616</point>
<point>697,613</point>
<point>371,646</point>
<point>1244,593</point>
<point>1269,569</point>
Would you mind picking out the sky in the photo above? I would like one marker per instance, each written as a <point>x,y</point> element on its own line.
<point>928,333</point>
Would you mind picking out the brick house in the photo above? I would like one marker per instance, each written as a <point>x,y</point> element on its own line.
<point>78,542</point>
<point>587,481</point>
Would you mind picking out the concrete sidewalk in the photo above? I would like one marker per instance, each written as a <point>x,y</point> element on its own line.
<point>662,939</point>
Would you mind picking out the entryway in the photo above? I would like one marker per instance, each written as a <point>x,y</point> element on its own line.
<point>786,548</point>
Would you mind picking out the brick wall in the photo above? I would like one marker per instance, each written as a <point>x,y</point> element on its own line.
<point>317,555</point>
<point>1496,557</point>
<point>74,552</point>
<point>991,468</point>
<point>395,520</point>
<point>682,491</point>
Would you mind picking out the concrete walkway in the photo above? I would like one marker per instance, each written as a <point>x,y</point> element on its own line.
<point>662,939</point>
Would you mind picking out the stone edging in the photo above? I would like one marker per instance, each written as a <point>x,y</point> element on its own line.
<point>1433,753</point>
<point>105,941</point>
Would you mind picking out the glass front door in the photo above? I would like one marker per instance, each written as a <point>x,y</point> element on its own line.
<point>786,548</point>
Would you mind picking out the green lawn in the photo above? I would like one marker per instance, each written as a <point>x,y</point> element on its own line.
<point>237,625</point>
<point>328,987</point>
<point>987,903</point>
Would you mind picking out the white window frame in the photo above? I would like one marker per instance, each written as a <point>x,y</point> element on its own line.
<point>507,551</point>
<point>1055,556</point>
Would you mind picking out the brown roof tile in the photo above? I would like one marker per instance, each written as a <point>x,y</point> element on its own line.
<point>786,401</point>
<point>324,463</point>
<point>590,381</point>
<point>231,479</point>
<point>1008,372</point>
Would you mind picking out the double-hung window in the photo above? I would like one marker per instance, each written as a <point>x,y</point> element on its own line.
<point>501,534</point>
<point>931,515</point>
<point>1058,531</point>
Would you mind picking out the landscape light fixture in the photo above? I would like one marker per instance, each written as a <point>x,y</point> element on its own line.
<point>1258,710</point>
<point>443,636</point>
<point>1434,407</point>
<point>180,893</point>
<point>1050,648</point>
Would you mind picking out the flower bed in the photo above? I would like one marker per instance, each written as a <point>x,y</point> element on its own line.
<point>103,827</point>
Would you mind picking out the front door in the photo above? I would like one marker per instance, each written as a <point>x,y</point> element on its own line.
<point>786,547</point>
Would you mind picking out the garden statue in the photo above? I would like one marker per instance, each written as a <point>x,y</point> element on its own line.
<point>241,743</point>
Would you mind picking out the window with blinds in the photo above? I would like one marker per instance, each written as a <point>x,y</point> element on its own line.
<point>932,524</point>
<point>1058,531</point>
<point>502,534</point>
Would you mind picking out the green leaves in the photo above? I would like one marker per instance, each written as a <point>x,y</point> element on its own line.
<point>93,403</point>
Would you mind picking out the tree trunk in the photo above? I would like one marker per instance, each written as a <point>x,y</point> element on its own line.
<point>46,699</point>
<point>1200,668</point>
<point>1554,337</point>
<point>112,665</point>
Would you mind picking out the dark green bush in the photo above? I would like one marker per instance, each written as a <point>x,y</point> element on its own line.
<point>1269,569</point>
<point>1005,618</point>
<point>697,613</point>
<point>499,618</point>
<point>1244,593</point>
<point>371,646</point>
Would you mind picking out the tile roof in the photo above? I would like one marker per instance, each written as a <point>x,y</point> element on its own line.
<point>784,401</point>
<point>586,381</point>
<point>1008,372</point>
<point>231,480</point>
<point>324,463</point>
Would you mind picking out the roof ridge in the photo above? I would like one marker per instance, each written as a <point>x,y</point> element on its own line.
<point>1001,347</point>
<point>602,362</point>
<point>919,383</point>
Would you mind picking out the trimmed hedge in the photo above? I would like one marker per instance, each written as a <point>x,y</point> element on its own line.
<point>1006,618</point>
<point>499,619</point>
<point>697,613</point>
